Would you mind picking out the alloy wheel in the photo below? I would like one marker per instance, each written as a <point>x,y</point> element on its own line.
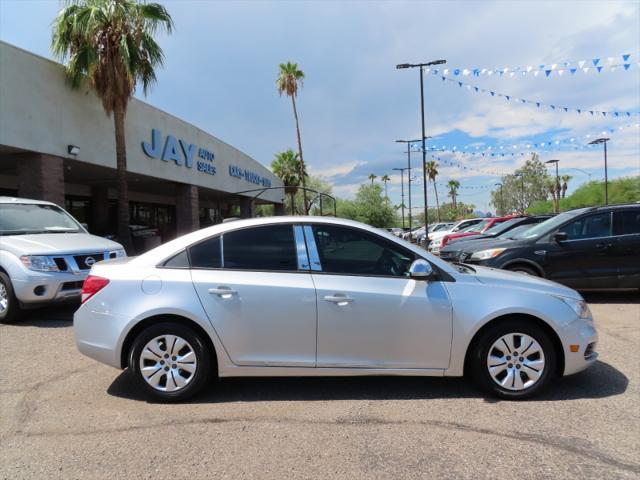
<point>4,298</point>
<point>168,363</point>
<point>516,361</point>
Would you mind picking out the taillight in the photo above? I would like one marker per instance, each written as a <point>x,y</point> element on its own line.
<point>92,285</point>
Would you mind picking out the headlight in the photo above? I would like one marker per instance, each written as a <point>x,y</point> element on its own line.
<point>487,254</point>
<point>580,307</point>
<point>120,253</point>
<point>39,263</point>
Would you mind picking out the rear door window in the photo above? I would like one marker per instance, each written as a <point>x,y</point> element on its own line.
<point>626,222</point>
<point>270,247</point>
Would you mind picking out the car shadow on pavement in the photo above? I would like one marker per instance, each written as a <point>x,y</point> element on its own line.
<point>48,317</point>
<point>623,296</point>
<point>599,381</point>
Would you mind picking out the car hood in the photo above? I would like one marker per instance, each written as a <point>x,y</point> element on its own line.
<point>494,243</point>
<point>504,278</point>
<point>56,243</point>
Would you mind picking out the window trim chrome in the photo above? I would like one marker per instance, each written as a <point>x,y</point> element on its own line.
<point>312,249</point>
<point>301,248</point>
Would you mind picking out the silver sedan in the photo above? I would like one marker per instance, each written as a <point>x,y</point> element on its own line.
<point>307,296</point>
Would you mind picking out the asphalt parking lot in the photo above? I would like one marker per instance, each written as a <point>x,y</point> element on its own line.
<point>66,416</point>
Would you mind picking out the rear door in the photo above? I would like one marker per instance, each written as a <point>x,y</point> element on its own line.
<point>626,230</point>
<point>255,286</point>
<point>586,258</point>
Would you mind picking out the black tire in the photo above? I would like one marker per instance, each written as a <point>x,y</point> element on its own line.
<point>202,354</point>
<point>524,269</point>
<point>477,361</point>
<point>11,313</point>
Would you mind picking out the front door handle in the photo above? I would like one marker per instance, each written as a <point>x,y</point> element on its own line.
<point>604,246</point>
<point>223,292</point>
<point>339,299</point>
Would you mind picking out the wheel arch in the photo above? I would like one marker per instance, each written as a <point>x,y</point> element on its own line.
<point>555,339</point>
<point>140,326</point>
<point>528,263</point>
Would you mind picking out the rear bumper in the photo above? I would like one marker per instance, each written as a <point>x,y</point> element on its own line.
<point>98,335</point>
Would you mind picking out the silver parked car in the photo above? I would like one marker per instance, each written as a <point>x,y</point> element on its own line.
<point>45,255</point>
<point>307,296</point>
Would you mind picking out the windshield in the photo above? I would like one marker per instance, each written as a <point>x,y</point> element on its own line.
<point>16,219</point>
<point>548,225</point>
<point>500,227</point>
<point>478,227</point>
<point>515,232</point>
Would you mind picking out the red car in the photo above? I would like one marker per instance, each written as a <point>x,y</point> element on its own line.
<point>477,229</point>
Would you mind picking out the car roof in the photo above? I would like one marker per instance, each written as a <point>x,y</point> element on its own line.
<point>23,201</point>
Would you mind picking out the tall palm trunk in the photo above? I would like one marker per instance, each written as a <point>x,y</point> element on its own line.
<point>302,169</point>
<point>437,202</point>
<point>124,235</point>
<point>293,203</point>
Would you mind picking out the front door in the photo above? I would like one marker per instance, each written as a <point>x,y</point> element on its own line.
<point>259,297</point>
<point>370,314</point>
<point>585,259</point>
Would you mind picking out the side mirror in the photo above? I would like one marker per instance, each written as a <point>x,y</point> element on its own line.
<point>420,270</point>
<point>560,236</point>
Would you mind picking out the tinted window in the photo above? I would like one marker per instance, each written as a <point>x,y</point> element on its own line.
<point>206,254</point>
<point>270,247</point>
<point>626,222</point>
<point>591,226</point>
<point>356,252</point>
<point>181,260</point>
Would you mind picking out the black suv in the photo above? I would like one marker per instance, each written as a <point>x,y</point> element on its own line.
<point>595,247</point>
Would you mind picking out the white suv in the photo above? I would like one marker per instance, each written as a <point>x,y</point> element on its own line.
<point>45,255</point>
<point>435,239</point>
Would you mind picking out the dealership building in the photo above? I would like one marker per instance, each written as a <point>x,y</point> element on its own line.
<point>57,144</point>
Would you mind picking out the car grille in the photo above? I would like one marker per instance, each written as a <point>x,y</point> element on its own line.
<point>81,260</point>
<point>61,264</point>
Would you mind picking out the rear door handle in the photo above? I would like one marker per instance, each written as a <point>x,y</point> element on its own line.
<point>339,299</point>
<point>223,292</point>
<point>604,246</point>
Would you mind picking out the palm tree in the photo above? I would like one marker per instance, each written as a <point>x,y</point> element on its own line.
<point>432,172</point>
<point>385,178</point>
<point>453,192</point>
<point>372,177</point>
<point>565,180</point>
<point>110,43</point>
<point>289,77</point>
<point>286,166</point>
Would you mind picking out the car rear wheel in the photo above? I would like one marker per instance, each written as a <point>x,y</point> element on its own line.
<point>513,360</point>
<point>170,362</point>
<point>9,306</point>
<point>524,269</point>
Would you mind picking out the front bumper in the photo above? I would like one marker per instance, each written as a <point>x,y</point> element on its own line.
<point>46,287</point>
<point>583,334</point>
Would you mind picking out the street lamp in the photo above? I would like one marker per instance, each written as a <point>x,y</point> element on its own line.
<point>557,186</point>
<point>581,171</point>
<point>408,142</point>
<point>521,175</point>
<point>604,141</point>
<point>401,170</point>
<point>424,148</point>
<point>501,199</point>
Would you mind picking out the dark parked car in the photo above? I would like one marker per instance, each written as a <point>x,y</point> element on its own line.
<point>453,250</point>
<point>595,247</point>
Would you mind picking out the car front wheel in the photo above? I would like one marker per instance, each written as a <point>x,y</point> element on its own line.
<point>9,307</point>
<point>513,360</point>
<point>170,362</point>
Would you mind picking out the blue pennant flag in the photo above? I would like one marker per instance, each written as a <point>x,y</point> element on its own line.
<point>599,69</point>
<point>591,112</point>
<point>456,71</point>
<point>476,88</point>
<point>578,110</point>
<point>492,93</point>
<point>507,97</point>
<point>604,114</point>
<point>625,57</point>
<point>616,114</point>
<point>628,114</point>
<point>573,70</point>
<point>547,72</point>
<point>476,72</point>
<point>626,66</point>
<point>553,107</point>
<point>538,104</point>
<point>460,84</point>
<point>444,78</point>
<point>596,61</point>
<point>523,101</point>
<point>566,109</point>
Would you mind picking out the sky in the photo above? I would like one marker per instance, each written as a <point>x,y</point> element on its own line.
<point>222,62</point>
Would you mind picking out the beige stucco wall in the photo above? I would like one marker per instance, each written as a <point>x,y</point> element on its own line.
<point>39,112</point>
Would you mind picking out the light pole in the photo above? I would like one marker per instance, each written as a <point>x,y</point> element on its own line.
<point>408,142</point>
<point>424,148</point>
<point>521,175</point>
<point>604,141</point>
<point>401,170</point>
<point>581,171</point>
<point>501,199</point>
<point>557,185</point>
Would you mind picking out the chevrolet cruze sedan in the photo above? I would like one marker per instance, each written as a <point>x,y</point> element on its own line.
<point>307,296</point>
